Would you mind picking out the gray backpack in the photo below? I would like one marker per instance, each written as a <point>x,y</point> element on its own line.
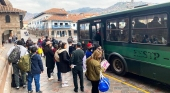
<point>15,55</point>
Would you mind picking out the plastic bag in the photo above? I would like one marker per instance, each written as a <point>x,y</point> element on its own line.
<point>84,64</point>
<point>104,83</point>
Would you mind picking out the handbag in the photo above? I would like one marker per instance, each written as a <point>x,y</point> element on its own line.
<point>104,83</point>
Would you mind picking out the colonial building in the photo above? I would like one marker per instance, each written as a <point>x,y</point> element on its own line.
<point>11,20</point>
<point>55,22</point>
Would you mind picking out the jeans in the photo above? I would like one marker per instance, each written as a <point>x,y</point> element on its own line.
<point>16,75</point>
<point>95,85</point>
<point>78,70</point>
<point>36,80</point>
<point>58,70</point>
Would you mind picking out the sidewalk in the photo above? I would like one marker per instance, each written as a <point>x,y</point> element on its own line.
<point>54,86</point>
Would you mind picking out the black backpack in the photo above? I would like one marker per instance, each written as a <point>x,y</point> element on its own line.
<point>15,55</point>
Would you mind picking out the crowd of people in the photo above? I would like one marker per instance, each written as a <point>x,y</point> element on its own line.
<point>55,53</point>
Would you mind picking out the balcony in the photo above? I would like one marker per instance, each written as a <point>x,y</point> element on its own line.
<point>61,26</point>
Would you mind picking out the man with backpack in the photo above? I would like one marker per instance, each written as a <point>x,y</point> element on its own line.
<point>14,55</point>
<point>35,71</point>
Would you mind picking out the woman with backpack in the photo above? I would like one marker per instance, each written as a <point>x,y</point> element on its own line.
<point>49,59</point>
<point>64,63</point>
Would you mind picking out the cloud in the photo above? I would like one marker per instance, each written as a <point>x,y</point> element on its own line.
<point>36,6</point>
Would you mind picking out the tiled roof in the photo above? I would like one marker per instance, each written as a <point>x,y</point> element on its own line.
<point>56,11</point>
<point>10,9</point>
<point>63,18</point>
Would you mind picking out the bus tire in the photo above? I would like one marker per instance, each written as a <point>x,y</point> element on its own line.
<point>118,66</point>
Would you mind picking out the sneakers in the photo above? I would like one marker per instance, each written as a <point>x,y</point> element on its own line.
<point>17,87</point>
<point>39,92</point>
<point>51,78</point>
<point>24,86</point>
<point>30,91</point>
<point>65,85</point>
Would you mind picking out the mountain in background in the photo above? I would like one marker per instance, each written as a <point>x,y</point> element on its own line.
<point>119,6</point>
<point>29,16</point>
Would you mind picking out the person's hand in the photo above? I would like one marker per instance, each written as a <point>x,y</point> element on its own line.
<point>41,72</point>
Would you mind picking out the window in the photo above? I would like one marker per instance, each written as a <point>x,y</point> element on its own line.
<point>66,23</point>
<point>52,33</point>
<point>150,29</point>
<point>61,24</point>
<point>7,18</point>
<point>84,31</point>
<point>74,25</point>
<point>117,29</point>
<point>55,24</point>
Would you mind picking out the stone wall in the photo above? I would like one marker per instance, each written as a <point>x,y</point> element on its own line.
<point>14,25</point>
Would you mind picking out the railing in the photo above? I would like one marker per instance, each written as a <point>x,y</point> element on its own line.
<point>61,26</point>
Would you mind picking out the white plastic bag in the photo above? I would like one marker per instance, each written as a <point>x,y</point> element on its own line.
<point>84,63</point>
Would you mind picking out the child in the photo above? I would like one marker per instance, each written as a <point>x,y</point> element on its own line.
<point>36,70</point>
<point>40,51</point>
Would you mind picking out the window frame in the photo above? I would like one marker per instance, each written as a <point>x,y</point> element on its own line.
<point>117,23</point>
<point>149,14</point>
<point>84,30</point>
<point>6,19</point>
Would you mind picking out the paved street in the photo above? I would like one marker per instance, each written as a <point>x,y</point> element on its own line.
<point>128,84</point>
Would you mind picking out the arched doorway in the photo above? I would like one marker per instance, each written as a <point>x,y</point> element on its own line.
<point>6,34</point>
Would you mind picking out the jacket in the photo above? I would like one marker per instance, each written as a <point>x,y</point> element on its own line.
<point>77,57</point>
<point>88,53</point>
<point>93,69</point>
<point>50,59</point>
<point>64,61</point>
<point>36,64</point>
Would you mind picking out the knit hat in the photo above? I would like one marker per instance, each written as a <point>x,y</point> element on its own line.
<point>89,45</point>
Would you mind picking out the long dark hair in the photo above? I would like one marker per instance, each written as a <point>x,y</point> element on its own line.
<point>62,45</point>
<point>47,48</point>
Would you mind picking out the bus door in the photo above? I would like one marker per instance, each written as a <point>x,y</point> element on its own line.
<point>97,33</point>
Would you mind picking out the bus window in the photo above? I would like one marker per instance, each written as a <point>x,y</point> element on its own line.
<point>150,29</point>
<point>84,31</point>
<point>118,30</point>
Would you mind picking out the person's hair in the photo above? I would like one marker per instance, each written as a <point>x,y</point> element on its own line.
<point>62,45</point>
<point>47,48</point>
<point>95,54</point>
<point>46,37</point>
<point>33,49</point>
<point>19,42</point>
<point>56,46</point>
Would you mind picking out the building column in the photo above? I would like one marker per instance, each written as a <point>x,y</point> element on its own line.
<point>72,32</point>
<point>49,32</point>
<point>55,33</point>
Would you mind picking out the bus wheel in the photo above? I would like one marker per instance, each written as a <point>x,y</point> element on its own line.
<point>118,66</point>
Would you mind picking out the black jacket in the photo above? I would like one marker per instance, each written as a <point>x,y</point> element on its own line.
<point>77,57</point>
<point>36,65</point>
<point>64,61</point>
<point>49,59</point>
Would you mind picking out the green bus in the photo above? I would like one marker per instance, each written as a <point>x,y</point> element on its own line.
<point>135,41</point>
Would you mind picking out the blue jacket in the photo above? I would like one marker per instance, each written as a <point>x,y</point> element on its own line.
<point>36,64</point>
<point>88,54</point>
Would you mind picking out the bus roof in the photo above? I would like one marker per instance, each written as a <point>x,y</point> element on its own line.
<point>129,11</point>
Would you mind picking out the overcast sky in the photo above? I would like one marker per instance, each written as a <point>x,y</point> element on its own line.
<point>36,6</point>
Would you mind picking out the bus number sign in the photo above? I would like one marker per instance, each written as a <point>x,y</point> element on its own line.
<point>146,54</point>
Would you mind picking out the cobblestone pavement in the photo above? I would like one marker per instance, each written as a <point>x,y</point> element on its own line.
<point>127,84</point>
